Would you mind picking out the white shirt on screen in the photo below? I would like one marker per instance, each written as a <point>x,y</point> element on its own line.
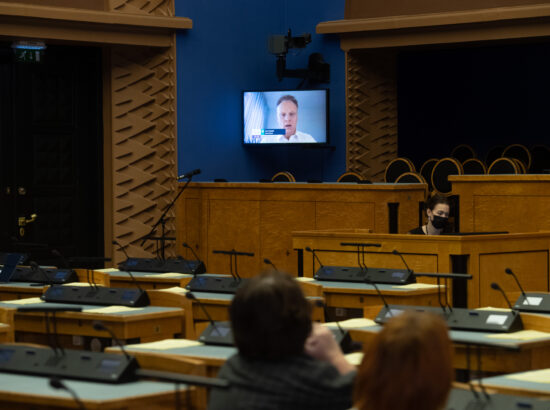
<point>298,137</point>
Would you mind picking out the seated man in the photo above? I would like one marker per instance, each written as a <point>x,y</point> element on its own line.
<point>283,362</point>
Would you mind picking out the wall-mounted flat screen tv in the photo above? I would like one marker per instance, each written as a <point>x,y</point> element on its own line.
<point>285,117</point>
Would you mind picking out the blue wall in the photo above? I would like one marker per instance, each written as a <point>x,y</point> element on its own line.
<point>226,53</point>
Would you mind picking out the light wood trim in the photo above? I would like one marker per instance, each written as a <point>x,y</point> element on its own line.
<point>501,178</point>
<point>434,19</point>
<point>64,14</point>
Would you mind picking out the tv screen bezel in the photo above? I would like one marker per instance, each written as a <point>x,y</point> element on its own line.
<point>288,144</point>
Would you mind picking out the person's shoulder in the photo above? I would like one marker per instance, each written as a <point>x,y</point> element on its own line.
<point>417,231</point>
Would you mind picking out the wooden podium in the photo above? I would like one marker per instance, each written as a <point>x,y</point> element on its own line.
<point>483,256</point>
<point>259,217</point>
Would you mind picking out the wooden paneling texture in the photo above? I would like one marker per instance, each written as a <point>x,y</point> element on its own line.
<point>143,82</point>
<point>369,9</point>
<point>260,218</point>
<point>371,112</point>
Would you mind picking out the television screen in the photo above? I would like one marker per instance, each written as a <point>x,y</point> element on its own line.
<point>285,117</point>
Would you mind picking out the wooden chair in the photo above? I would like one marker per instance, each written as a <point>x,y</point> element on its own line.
<point>520,152</point>
<point>504,166</point>
<point>463,152</point>
<point>283,176</point>
<point>440,174</point>
<point>474,166</point>
<point>397,167</point>
<point>350,176</point>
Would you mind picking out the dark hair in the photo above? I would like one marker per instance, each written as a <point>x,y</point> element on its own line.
<point>288,98</point>
<point>435,200</point>
<point>413,352</point>
<point>270,317</point>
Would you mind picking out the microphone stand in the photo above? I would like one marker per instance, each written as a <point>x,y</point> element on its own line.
<point>162,221</point>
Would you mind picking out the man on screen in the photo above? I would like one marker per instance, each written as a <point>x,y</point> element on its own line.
<point>287,115</point>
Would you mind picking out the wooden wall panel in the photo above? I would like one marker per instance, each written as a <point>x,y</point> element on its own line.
<point>143,145</point>
<point>371,112</point>
<point>530,267</point>
<point>233,224</point>
<point>152,7</point>
<point>367,9</point>
<point>278,220</point>
<point>343,215</point>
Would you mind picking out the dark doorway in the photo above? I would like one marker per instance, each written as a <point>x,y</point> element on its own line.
<point>51,150</point>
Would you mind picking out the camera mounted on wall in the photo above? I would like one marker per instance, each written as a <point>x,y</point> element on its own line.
<point>318,70</point>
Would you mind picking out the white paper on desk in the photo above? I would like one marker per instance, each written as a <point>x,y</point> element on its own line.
<point>112,309</point>
<point>494,308</point>
<point>165,275</point>
<point>355,358</point>
<point>532,301</point>
<point>168,344</point>
<point>79,284</point>
<point>353,323</point>
<point>108,270</point>
<point>521,335</point>
<point>304,279</point>
<point>176,289</point>
<point>28,301</point>
<point>418,286</point>
<point>535,376</point>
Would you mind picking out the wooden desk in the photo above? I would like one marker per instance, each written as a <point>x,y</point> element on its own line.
<point>75,329</point>
<point>171,351</point>
<point>512,384</point>
<point>259,217</point>
<point>19,290</point>
<point>485,257</point>
<point>34,392</point>
<point>361,295</point>
<point>512,203</point>
<point>532,354</point>
<point>147,280</point>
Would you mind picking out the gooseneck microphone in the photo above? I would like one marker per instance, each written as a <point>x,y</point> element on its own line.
<point>314,255</point>
<point>190,174</point>
<point>59,255</point>
<point>99,326</point>
<point>34,266</point>
<point>510,272</point>
<point>496,286</point>
<point>56,383</point>
<point>185,245</point>
<point>115,242</point>
<point>370,282</point>
<point>268,262</point>
<point>396,252</point>
<point>191,296</point>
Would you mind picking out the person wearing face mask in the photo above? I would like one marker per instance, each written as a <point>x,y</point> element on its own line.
<point>437,211</point>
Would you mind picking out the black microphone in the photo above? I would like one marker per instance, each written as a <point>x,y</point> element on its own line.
<point>189,174</point>
<point>314,255</point>
<point>369,282</point>
<point>496,286</point>
<point>59,255</point>
<point>396,252</point>
<point>344,339</point>
<point>99,326</point>
<point>35,268</point>
<point>268,262</point>
<point>56,383</point>
<point>115,242</point>
<point>191,296</point>
<point>510,272</point>
<point>185,245</point>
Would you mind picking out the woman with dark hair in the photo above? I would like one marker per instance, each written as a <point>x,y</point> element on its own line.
<point>284,362</point>
<point>437,211</point>
<point>407,366</point>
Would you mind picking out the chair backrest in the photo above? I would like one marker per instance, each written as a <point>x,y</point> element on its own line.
<point>520,152</point>
<point>463,152</point>
<point>411,178</point>
<point>350,176</point>
<point>504,166</point>
<point>396,167</point>
<point>474,166</point>
<point>426,171</point>
<point>494,153</point>
<point>283,176</point>
<point>441,172</point>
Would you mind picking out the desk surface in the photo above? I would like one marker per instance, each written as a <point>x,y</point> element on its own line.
<point>35,389</point>
<point>536,382</point>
